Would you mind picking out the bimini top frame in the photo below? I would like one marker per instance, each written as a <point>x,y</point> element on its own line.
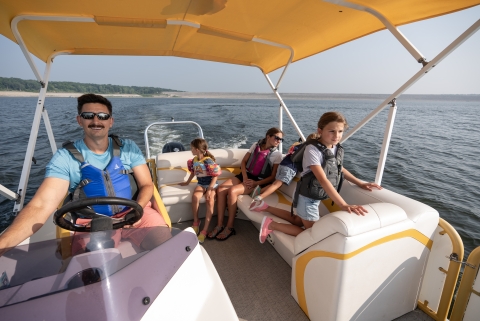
<point>40,110</point>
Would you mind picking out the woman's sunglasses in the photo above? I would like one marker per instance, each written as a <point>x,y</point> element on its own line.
<point>90,115</point>
<point>280,139</point>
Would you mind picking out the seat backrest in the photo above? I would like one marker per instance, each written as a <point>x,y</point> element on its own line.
<point>172,167</point>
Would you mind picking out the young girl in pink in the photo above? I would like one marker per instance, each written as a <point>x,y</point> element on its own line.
<point>202,166</point>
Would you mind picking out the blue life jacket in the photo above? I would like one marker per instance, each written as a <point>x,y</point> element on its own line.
<point>111,181</point>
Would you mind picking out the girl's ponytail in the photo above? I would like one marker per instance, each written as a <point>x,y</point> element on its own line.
<point>207,153</point>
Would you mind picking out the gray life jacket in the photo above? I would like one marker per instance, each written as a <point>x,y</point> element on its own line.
<point>332,165</point>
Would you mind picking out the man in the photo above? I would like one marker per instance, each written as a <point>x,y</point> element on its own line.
<point>63,174</point>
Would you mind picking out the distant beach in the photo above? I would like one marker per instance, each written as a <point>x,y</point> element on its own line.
<point>226,95</point>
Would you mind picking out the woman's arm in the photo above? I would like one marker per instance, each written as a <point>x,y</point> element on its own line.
<point>270,178</point>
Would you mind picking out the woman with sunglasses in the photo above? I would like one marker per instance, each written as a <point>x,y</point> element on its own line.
<point>259,167</point>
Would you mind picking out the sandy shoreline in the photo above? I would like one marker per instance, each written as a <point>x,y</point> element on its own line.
<point>222,95</point>
<point>163,95</point>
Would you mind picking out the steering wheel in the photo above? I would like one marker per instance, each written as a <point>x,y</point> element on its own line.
<point>82,207</point>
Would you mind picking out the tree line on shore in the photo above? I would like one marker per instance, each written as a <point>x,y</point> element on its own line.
<point>17,84</point>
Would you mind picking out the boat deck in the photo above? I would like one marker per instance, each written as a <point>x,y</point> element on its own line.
<point>257,278</point>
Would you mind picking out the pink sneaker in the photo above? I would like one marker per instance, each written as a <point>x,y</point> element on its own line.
<point>254,204</point>
<point>258,206</point>
<point>264,230</point>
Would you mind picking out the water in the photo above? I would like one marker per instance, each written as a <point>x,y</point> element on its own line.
<point>433,158</point>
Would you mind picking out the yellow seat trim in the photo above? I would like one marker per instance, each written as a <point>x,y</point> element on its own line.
<point>161,207</point>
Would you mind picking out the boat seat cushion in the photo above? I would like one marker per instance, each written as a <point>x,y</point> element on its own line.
<point>172,170</point>
<point>380,215</point>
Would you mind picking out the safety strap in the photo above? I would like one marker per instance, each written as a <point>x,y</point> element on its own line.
<point>117,143</point>
<point>74,151</point>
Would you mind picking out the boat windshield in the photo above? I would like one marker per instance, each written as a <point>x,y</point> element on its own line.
<point>41,269</point>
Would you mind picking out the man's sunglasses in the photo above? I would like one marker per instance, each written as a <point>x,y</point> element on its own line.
<point>280,139</point>
<point>90,115</point>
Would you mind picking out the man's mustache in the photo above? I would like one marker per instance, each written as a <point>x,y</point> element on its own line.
<point>91,126</point>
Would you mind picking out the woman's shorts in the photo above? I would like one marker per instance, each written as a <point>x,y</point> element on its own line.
<point>307,208</point>
<point>207,186</point>
<point>285,174</point>
<point>250,176</point>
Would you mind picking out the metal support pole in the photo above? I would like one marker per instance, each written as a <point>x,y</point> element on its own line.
<point>27,163</point>
<point>5,192</point>
<point>48,127</point>
<point>400,37</point>
<point>280,125</point>
<point>46,119</point>
<point>271,43</point>
<point>442,55</point>
<point>386,141</point>
<point>21,43</point>
<point>282,103</point>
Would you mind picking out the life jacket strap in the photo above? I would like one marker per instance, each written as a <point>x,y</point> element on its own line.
<point>84,182</point>
<point>74,151</point>
<point>117,143</point>
<point>68,145</point>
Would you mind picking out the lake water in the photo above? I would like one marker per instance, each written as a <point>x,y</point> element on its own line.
<point>433,158</point>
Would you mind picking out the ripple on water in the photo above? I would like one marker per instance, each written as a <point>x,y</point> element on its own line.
<point>433,155</point>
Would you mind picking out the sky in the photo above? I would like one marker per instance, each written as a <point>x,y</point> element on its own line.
<point>376,64</point>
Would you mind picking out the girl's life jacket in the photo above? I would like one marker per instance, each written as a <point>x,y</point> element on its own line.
<point>114,180</point>
<point>258,163</point>
<point>332,165</point>
<point>204,169</point>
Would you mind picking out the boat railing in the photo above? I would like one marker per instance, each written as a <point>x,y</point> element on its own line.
<point>151,158</point>
<point>467,301</point>
<point>11,195</point>
<point>445,256</point>
<point>167,123</point>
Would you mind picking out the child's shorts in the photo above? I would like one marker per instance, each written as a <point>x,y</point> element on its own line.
<point>307,208</point>
<point>207,186</point>
<point>285,174</point>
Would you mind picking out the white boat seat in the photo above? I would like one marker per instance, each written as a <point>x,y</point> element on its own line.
<point>172,170</point>
<point>379,257</point>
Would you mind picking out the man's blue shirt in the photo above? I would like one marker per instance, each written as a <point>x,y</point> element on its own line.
<point>63,165</point>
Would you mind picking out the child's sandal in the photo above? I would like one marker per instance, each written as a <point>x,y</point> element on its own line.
<point>196,226</point>
<point>226,233</point>
<point>213,234</point>
<point>201,236</point>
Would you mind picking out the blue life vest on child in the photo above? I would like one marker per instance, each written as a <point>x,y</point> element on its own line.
<point>258,163</point>
<point>111,181</point>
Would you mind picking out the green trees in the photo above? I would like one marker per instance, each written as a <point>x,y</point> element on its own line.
<point>17,84</point>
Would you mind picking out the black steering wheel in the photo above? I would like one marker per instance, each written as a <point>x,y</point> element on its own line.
<point>81,208</point>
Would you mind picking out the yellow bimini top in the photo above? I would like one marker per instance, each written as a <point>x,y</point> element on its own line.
<point>262,33</point>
